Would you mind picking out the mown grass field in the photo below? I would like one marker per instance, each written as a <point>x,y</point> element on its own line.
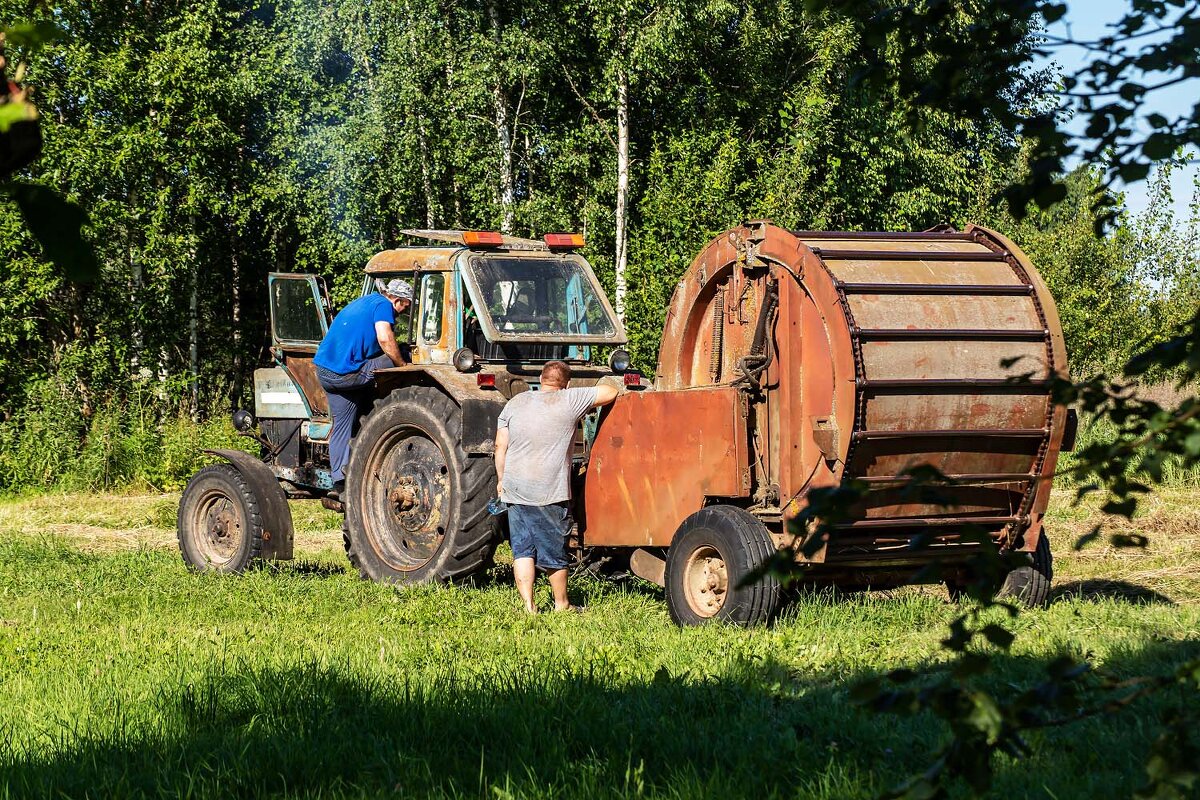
<point>122,674</point>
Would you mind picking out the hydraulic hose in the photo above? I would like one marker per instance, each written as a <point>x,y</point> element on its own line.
<point>761,353</point>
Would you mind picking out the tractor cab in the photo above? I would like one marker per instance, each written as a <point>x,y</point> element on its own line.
<point>499,299</point>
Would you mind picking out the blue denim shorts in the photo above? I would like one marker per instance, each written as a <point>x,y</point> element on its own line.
<point>540,533</point>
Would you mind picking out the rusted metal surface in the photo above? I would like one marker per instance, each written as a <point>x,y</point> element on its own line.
<point>425,259</point>
<point>658,457</point>
<point>887,351</point>
<point>301,369</point>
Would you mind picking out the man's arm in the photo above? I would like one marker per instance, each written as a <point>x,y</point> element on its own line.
<point>387,341</point>
<point>605,393</point>
<point>501,453</point>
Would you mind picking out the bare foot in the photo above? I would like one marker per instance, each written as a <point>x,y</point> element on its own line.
<point>569,608</point>
<point>531,610</point>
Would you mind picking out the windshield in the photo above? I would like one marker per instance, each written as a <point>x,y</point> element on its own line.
<point>553,298</point>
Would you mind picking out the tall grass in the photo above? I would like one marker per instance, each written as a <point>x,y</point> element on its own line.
<point>1092,431</point>
<point>136,440</point>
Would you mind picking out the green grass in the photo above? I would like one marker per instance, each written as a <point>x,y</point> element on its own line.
<point>122,674</point>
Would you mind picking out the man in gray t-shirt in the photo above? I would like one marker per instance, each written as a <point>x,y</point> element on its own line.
<point>533,470</point>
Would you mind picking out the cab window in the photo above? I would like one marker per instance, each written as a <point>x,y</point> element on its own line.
<point>296,312</point>
<point>431,306</point>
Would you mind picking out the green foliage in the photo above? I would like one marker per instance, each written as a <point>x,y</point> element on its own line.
<point>127,440</point>
<point>955,57</point>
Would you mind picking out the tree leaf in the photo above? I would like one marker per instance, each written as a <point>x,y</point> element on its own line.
<point>57,224</point>
<point>32,35</point>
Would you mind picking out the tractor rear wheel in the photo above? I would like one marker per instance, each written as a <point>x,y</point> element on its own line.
<point>220,525</point>
<point>711,554</point>
<point>416,502</point>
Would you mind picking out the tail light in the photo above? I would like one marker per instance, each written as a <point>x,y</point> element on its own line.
<point>633,379</point>
<point>485,380</point>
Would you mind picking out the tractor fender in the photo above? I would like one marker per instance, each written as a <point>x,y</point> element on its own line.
<point>278,534</point>
<point>480,408</point>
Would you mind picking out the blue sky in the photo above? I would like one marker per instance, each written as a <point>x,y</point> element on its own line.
<point>1091,19</point>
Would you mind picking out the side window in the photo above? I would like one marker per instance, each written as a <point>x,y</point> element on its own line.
<point>433,287</point>
<point>296,313</point>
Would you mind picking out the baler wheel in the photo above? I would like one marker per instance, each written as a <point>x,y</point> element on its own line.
<point>1030,584</point>
<point>709,557</point>
<point>416,502</point>
<point>220,524</point>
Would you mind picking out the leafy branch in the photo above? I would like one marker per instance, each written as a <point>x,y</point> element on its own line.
<point>55,222</point>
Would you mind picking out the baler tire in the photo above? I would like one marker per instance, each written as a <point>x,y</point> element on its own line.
<point>1030,584</point>
<point>741,543</point>
<point>219,495</point>
<point>469,537</point>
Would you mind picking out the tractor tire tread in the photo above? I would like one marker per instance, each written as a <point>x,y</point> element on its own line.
<point>1030,585</point>
<point>473,546</point>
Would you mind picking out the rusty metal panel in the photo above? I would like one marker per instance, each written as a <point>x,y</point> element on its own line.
<point>408,259</point>
<point>954,360</point>
<point>656,457</point>
<point>962,311</point>
<point>302,370</point>
<point>933,244</point>
<point>966,272</point>
<point>954,410</point>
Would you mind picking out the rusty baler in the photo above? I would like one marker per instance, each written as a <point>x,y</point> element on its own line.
<point>793,360</point>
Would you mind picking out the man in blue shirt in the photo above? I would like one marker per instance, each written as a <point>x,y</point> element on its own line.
<point>360,341</point>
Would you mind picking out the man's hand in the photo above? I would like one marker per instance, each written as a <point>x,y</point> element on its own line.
<point>387,341</point>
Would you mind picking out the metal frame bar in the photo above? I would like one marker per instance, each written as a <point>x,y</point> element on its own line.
<point>955,384</point>
<point>962,478</point>
<point>977,289</point>
<point>928,236</point>
<point>937,334</point>
<point>989,433</point>
<point>828,254</point>
<point>927,522</point>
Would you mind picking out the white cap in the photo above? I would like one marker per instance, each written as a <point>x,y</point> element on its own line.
<point>395,288</point>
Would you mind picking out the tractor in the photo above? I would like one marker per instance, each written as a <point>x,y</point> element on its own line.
<point>489,311</point>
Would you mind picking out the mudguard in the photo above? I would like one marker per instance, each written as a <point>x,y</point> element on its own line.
<point>278,534</point>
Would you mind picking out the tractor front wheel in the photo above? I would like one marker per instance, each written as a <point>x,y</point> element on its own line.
<point>220,524</point>
<point>712,553</point>
<point>416,502</point>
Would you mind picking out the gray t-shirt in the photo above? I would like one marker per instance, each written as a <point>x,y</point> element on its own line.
<point>541,427</point>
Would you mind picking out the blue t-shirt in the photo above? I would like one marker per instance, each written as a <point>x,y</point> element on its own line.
<point>351,340</point>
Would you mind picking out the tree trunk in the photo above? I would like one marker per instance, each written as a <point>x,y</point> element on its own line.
<point>622,244</point>
<point>235,292</point>
<point>194,326</point>
<point>426,175</point>
<point>503,135</point>
<point>136,282</point>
